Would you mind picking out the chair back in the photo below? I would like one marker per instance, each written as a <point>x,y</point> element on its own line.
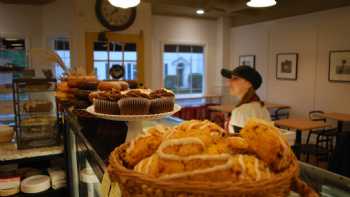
<point>316,115</point>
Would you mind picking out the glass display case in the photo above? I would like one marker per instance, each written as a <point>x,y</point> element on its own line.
<point>84,153</point>
<point>36,117</point>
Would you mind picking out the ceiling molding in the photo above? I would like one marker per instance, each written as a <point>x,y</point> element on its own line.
<point>27,2</point>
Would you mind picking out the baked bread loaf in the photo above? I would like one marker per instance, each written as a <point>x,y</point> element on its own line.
<point>116,85</point>
<point>37,106</point>
<point>6,133</point>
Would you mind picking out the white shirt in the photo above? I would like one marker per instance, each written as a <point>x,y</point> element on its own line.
<point>243,113</point>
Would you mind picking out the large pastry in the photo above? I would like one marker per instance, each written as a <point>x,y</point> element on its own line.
<point>201,155</point>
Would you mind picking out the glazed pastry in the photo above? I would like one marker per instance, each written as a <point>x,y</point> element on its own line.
<point>268,144</point>
<point>201,151</point>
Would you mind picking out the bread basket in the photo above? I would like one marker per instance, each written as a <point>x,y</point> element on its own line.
<point>134,184</point>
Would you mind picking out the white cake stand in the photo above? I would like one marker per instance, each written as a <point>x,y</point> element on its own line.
<point>135,122</point>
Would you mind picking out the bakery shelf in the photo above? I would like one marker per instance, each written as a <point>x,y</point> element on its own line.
<point>51,192</point>
<point>11,156</point>
<point>25,90</point>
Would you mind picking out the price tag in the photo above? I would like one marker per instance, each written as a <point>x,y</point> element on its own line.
<point>108,188</point>
<point>106,185</point>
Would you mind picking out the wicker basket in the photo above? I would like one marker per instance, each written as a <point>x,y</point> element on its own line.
<point>133,184</point>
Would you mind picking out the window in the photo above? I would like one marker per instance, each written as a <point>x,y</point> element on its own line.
<point>62,48</point>
<point>108,54</point>
<point>183,69</point>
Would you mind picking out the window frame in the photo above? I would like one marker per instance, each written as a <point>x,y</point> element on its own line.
<point>91,37</point>
<point>204,83</point>
<point>52,41</point>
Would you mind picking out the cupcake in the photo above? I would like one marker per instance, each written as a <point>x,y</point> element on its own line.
<point>135,102</point>
<point>163,100</point>
<point>106,102</point>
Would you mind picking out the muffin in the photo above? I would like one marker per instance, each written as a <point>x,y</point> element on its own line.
<point>135,102</point>
<point>163,100</point>
<point>106,102</point>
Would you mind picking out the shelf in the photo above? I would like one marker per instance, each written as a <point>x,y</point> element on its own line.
<point>51,192</point>
<point>31,153</point>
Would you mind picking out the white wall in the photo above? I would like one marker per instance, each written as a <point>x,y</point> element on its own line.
<point>182,30</point>
<point>312,36</point>
<point>21,20</point>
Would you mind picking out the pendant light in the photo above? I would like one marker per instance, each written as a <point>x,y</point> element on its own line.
<point>124,3</point>
<point>261,3</point>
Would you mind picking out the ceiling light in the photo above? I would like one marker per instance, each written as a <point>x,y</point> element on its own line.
<point>200,11</point>
<point>124,3</point>
<point>261,3</point>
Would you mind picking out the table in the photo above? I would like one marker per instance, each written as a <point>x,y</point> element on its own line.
<point>229,108</point>
<point>340,117</point>
<point>300,125</point>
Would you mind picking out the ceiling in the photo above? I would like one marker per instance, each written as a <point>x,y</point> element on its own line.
<point>237,10</point>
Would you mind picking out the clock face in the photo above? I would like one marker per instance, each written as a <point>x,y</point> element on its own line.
<point>114,18</point>
<point>116,71</point>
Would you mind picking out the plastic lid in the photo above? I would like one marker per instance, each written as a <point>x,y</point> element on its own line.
<point>35,184</point>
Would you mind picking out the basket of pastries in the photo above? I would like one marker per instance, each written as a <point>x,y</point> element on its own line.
<point>197,158</point>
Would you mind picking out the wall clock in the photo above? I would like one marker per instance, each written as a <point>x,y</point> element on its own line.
<point>113,18</point>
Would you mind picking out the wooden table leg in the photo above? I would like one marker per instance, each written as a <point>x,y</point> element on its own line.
<point>297,143</point>
<point>340,126</point>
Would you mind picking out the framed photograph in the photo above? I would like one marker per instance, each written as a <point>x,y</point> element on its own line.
<point>339,66</point>
<point>247,60</point>
<point>287,66</point>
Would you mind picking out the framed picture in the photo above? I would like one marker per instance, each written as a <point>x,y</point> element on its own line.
<point>287,66</point>
<point>339,66</point>
<point>247,60</point>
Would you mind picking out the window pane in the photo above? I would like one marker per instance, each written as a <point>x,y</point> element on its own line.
<point>123,54</point>
<point>170,48</point>
<point>61,46</point>
<point>183,69</point>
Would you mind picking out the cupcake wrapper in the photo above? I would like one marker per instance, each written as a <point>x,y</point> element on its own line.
<point>134,106</point>
<point>106,107</point>
<point>161,105</point>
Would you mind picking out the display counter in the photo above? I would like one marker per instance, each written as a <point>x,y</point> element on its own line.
<point>88,144</point>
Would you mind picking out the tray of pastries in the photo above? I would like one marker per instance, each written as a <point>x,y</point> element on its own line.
<point>198,158</point>
<point>133,104</point>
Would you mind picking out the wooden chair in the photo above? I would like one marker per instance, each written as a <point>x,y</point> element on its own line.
<point>323,147</point>
<point>280,114</point>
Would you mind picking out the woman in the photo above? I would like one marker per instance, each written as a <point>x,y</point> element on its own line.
<point>243,82</point>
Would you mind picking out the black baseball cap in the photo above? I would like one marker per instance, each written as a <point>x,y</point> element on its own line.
<point>246,72</point>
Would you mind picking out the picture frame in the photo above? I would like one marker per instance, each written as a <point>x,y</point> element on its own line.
<point>287,66</point>
<point>339,66</point>
<point>247,60</point>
